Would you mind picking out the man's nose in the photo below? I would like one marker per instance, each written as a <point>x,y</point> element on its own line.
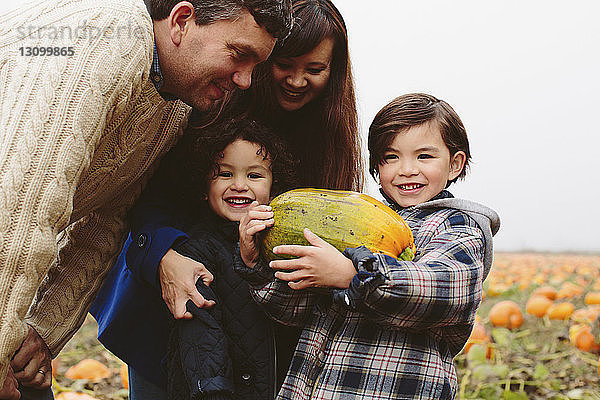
<point>243,78</point>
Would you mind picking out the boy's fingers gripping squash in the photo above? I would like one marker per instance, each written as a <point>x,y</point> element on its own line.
<point>293,250</point>
<point>286,264</point>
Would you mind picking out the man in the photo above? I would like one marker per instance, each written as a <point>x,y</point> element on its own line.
<point>92,94</point>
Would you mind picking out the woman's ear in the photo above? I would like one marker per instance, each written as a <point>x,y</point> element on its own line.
<point>457,164</point>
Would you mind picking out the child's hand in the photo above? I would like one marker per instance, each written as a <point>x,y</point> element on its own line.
<point>258,218</point>
<point>318,265</point>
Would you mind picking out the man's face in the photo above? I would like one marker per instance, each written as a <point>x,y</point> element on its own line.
<point>210,60</point>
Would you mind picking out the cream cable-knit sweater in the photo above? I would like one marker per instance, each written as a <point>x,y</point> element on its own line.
<point>79,136</point>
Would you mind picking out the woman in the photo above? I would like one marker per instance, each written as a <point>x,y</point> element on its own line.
<point>305,94</point>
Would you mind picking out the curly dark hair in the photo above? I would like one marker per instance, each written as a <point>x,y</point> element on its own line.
<point>201,150</point>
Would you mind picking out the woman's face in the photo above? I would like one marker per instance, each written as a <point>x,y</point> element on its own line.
<point>299,80</point>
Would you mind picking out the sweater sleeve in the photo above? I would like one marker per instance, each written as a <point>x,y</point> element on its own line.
<point>88,248</point>
<point>53,113</point>
<point>443,288</point>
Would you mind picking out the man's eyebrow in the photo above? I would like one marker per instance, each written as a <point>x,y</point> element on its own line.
<point>245,50</point>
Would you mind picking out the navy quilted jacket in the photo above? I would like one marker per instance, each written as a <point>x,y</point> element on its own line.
<point>227,351</point>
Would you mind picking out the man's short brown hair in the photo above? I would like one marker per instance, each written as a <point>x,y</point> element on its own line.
<point>273,15</point>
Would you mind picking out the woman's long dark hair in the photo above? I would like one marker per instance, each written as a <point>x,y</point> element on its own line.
<point>323,134</point>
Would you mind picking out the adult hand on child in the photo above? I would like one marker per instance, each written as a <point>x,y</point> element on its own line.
<point>32,363</point>
<point>178,275</point>
<point>9,389</point>
<point>318,265</point>
<point>258,218</point>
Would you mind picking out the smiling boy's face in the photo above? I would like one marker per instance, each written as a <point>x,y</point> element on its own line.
<point>418,165</point>
<point>244,176</point>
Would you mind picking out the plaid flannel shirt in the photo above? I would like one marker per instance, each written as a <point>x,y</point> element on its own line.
<point>394,332</point>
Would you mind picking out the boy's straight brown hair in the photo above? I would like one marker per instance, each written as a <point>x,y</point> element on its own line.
<point>411,110</point>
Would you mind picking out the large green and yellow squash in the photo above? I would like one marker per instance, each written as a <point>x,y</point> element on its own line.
<point>342,218</point>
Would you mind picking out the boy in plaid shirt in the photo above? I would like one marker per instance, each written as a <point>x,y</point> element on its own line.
<point>387,329</point>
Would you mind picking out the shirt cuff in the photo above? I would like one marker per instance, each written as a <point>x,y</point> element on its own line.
<point>258,276</point>
<point>148,248</point>
<point>367,278</point>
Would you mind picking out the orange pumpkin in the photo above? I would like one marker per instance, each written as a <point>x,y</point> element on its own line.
<point>561,311</point>
<point>569,290</point>
<point>55,365</point>
<point>89,369</point>
<point>496,289</point>
<point>587,314</point>
<point>592,298</point>
<point>479,335</point>
<point>123,371</point>
<point>538,305</point>
<point>546,291</point>
<point>507,314</point>
<point>74,396</point>
<point>581,337</point>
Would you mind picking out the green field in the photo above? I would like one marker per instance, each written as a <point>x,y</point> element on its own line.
<point>535,361</point>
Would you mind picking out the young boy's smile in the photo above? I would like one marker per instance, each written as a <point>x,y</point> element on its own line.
<point>244,175</point>
<point>418,165</point>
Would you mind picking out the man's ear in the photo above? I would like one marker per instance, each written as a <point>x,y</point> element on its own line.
<point>457,164</point>
<point>180,20</point>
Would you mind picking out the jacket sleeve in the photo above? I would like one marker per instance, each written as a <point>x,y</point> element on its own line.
<point>202,342</point>
<point>198,362</point>
<point>442,288</point>
<point>280,302</point>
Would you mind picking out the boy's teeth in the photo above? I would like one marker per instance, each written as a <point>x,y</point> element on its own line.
<point>410,186</point>
<point>239,201</point>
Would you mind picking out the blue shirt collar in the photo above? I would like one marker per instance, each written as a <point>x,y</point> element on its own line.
<point>157,77</point>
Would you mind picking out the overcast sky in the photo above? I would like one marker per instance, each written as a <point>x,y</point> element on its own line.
<point>523,76</point>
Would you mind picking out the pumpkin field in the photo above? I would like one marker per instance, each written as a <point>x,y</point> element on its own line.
<point>536,337</point>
